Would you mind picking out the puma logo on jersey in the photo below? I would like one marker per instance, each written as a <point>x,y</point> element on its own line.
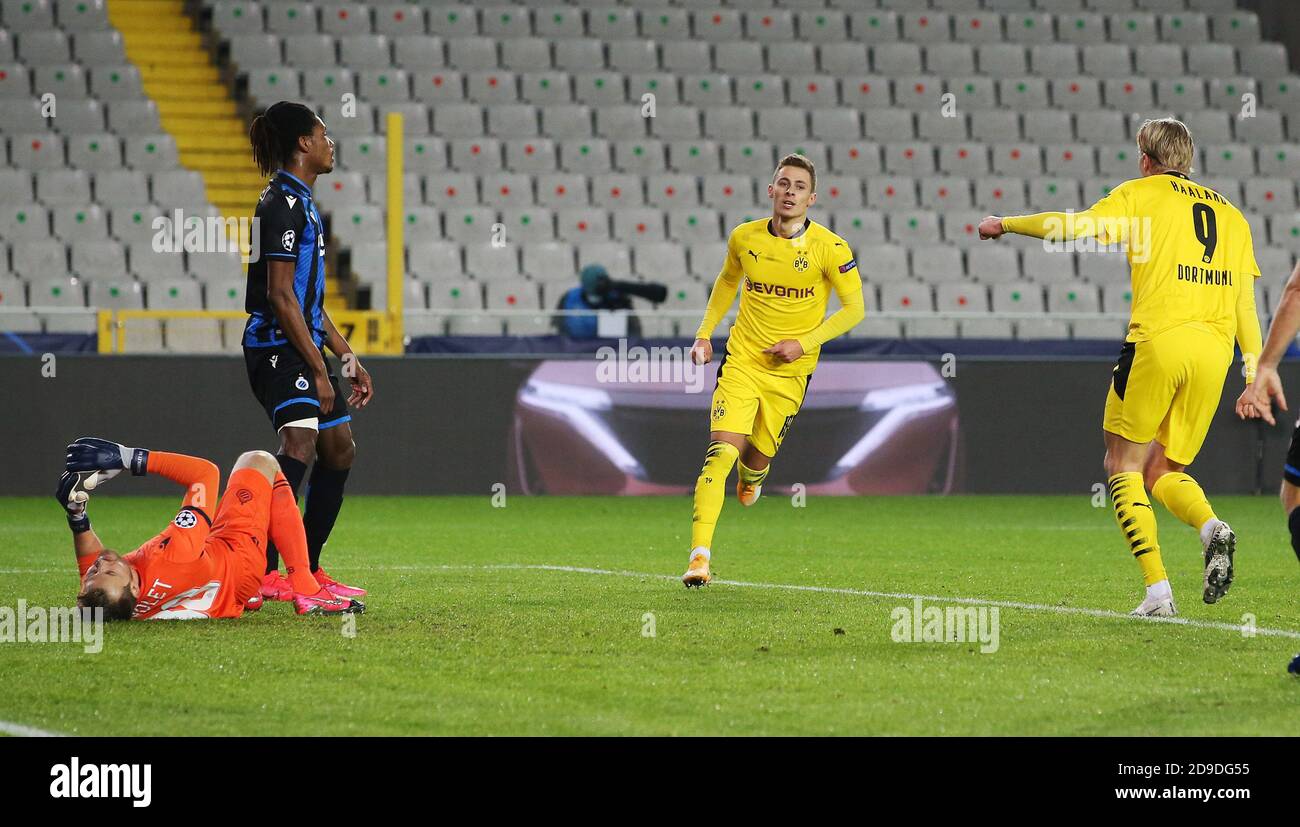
<point>755,255</point>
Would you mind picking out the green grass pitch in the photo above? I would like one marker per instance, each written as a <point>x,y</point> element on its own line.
<point>466,632</point>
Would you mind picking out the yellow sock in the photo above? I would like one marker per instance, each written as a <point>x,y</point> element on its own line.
<point>1184,498</point>
<point>1138,522</point>
<point>749,476</point>
<point>710,491</point>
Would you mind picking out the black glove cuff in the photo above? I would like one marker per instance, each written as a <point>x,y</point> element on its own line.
<point>79,525</point>
<point>139,462</point>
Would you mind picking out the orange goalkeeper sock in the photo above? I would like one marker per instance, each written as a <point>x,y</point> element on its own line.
<point>290,538</point>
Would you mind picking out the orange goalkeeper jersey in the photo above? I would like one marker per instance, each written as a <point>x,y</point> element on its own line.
<point>180,577</point>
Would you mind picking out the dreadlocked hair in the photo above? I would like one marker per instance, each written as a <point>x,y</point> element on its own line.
<point>274,134</point>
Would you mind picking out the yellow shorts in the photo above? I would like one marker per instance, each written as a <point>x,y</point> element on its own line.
<point>1167,389</point>
<point>757,404</point>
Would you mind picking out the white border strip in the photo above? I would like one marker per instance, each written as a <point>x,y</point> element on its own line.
<point>24,731</point>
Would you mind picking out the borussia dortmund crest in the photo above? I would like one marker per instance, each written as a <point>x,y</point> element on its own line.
<point>801,263</point>
<point>719,410</point>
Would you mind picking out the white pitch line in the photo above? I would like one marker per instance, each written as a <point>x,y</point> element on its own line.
<point>24,731</point>
<point>934,598</point>
<point>967,601</point>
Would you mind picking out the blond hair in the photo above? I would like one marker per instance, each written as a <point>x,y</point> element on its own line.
<point>794,159</point>
<point>1168,142</point>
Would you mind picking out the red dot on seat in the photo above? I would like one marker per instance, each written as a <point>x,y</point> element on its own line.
<point>338,185</point>
<point>1068,155</point>
<point>835,192</point>
<point>961,153</point>
<point>997,193</point>
<point>961,300</point>
<point>909,153</point>
<point>451,192</point>
<point>560,190</point>
<point>343,14</point>
<point>889,191</point>
<point>970,228</point>
<point>812,87</point>
<point>866,88</point>
<point>36,145</point>
<point>906,301</point>
<point>920,88</point>
<point>1268,196</point>
<point>510,299</point>
<point>717,18</point>
<point>1015,154</point>
<point>975,24</point>
<point>1128,88</point>
<point>505,190</point>
<point>1074,87</point>
<point>640,228</point>
<point>943,192</point>
<point>615,192</point>
<point>670,191</point>
<point>767,21</point>
<point>474,150</point>
<point>437,80</point>
<point>853,152</point>
<point>728,191</point>
<point>582,226</point>
<point>492,81</point>
<point>528,149</point>
<point>3,74</point>
<point>924,21</point>
<point>399,15</point>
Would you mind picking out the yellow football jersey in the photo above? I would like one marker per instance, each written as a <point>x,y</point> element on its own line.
<point>1189,250</point>
<point>787,282</point>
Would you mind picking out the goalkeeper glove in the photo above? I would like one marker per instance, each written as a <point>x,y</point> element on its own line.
<point>72,495</point>
<point>107,458</point>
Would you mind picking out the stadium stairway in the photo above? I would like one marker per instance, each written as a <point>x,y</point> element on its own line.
<point>194,105</point>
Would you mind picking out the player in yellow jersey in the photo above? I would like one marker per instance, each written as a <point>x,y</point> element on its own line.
<point>1193,275</point>
<point>788,265</point>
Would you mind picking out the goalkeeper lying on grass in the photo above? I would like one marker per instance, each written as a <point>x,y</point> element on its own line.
<point>201,565</point>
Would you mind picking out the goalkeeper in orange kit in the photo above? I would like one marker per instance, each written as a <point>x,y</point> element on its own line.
<point>203,564</point>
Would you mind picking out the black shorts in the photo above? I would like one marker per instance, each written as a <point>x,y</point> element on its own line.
<point>1291,471</point>
<point>284,385</point>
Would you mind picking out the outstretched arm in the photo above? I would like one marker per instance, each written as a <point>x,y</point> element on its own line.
<point>101,459</point>
<point>720,301</point>
<point>1107,220</point>
<point>363,388</point>
<point>1258,399</point>
<point>852,310</point>
<point>72,495</point>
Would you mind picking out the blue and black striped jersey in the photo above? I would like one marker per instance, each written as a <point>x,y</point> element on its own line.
<point>289,229</point>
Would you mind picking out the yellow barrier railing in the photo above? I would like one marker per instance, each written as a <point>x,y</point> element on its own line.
<point>368,331</point>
